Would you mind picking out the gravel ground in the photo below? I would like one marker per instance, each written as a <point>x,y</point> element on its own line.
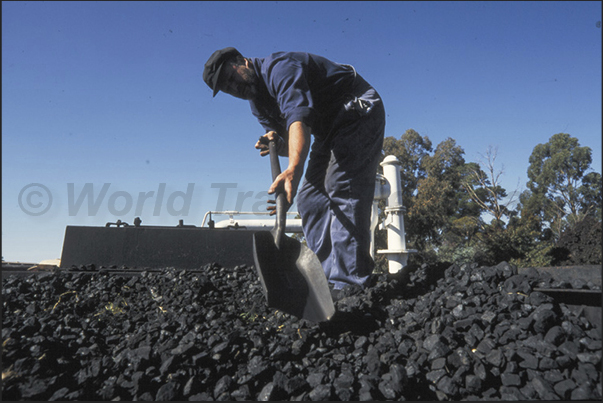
<point>438,333</point>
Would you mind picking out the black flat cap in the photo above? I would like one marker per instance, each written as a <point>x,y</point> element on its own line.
<point>213,66</point>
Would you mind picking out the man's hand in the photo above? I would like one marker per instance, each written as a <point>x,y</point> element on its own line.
<point>288,181</point>
<point>299,144</point>
<point>262,144</point>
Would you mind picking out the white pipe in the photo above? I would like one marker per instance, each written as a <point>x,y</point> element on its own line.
<point>397,254</point>
<point>291,225</point>
<point>232,213</point>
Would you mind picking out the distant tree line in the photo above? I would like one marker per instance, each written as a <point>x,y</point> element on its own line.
<point>458,212</point>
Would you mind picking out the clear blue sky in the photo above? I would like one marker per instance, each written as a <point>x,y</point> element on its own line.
<point>112,93</point>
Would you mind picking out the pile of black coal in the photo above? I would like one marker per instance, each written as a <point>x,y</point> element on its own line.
<point>455,333</point>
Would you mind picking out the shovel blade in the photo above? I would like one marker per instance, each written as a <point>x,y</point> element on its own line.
<point>292,277</point>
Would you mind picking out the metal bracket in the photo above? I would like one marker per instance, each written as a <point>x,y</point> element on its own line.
<point>118,224</point>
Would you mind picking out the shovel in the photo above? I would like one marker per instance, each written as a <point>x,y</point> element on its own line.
<point>291,274</point>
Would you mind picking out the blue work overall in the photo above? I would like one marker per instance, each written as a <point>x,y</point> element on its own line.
<point>335,199</point>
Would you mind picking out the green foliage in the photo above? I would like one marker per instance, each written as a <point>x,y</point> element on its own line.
<point>446,199</point>
<point>484,190</point>
<point>431,182</point>
<point>580,244</point>
<point>465,228</point>
<point>500,245</point>
<point>437,200</point>
<point>590,192</point>
<point>429,214</point>
<point>460,254</point>
<point>557,165</point>
<point>562,192</point>
<point>538,256</point>
<point>410,150</point>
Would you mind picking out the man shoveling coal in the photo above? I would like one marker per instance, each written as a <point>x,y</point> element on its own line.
<point>295,95</point>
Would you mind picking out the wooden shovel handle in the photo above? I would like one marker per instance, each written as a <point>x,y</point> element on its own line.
<point>281,197</point>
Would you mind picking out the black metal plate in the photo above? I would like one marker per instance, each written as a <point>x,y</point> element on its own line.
<point>156,247</point>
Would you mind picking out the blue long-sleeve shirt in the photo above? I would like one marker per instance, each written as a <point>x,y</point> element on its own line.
<point>298,86</point>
